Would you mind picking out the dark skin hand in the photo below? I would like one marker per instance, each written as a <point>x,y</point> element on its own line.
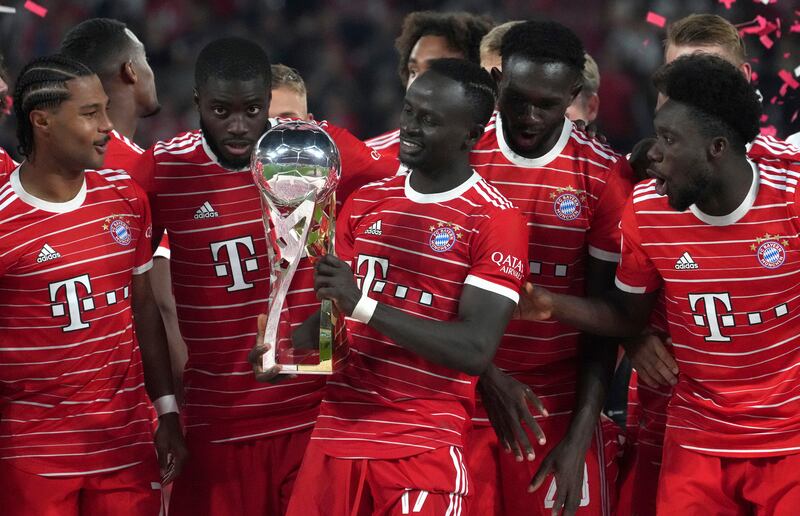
<point>467,344</point>
<point>639,160</point>
<point>651,359</point>
<point>507,403</point>
<point>596,361</point>
<point>591,130</point>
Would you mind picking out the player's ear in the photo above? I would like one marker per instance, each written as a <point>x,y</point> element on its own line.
<point>717,147</point>
<point>40,120</point>
<point>497,75</point>
<point>127,73</point>
<point>475,134</point>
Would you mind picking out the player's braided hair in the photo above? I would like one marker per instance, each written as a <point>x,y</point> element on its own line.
<point>719,96</point>
<point>232,58</point>
<point>42,84</point>
<point>98,43</point>
<point>463,32</point>
<point>478,85</point>
<point>544,42</point>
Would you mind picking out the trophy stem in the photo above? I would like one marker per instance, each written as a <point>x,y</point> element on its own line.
<point>326,330</point>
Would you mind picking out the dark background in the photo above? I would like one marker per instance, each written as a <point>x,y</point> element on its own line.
<point>345,51</point>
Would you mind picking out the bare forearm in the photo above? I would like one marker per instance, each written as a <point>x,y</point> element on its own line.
<point>458,345</point>
<point>597,358</point>
<point>155,353</point>
<point>606,315</point>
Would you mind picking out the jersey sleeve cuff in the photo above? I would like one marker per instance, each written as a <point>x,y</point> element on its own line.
<point>492,287</point>
<point>603,255</point>
<point>143,268</point>
<point>630,289</point>
<point>162,252</point>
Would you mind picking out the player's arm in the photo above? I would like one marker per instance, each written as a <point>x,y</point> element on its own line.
<point>466,344</point>
<point>158,377</point>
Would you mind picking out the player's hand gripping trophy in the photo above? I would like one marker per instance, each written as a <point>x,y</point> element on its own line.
<point>296,167</point>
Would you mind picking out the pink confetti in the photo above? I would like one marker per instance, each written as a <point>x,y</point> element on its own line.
<point>656,19</point>
<point>754,76</point>
<point>727,3</point>
<point>794,117</point>
<point>795,27</point>
<point>646,42</point>
<point>788,79</point>
<point>786,55</point>
<point>766,41</point>
<point>764,118</point>
<point>773,99</point>
<point>769,131</point>
<point>35,8</point>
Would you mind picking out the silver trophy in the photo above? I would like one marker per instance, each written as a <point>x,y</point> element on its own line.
<point>296,167</point>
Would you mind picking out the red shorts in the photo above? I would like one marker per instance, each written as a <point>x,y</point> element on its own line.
<point>250,477</point>
<point>501,483</point>
<point>693,483</point>
<point>431,483</point>
<point>132,490</point>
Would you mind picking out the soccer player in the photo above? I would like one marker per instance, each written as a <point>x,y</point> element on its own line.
<point>289,96</point>
<point>240,433</point>
<point>81,338</point>
<point>572,189</point>
<point>490,45</point>
<point>587,104</point>
<point>656,372</point>
<point>733,430</point>
<point>438,286</point>
<point>428,35</point>
<point>116,55</point>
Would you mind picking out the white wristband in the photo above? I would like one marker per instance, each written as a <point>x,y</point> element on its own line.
<point>166,405</point>
<point>364,309</point>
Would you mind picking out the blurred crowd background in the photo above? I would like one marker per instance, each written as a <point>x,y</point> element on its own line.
<point>345,51</point>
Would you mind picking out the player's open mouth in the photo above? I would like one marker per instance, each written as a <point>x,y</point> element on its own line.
<point>661,184</point>
<point>409,145</point>
<point>100,146</point>
<point>238,148</point>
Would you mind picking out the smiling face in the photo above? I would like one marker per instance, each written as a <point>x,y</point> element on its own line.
<point>533,100</point>
<point>679,157</point>
<point>436,123</point>
<point>233,116</point>
<point>76,131</point>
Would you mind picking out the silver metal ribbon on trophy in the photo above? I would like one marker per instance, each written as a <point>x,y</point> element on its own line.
<point>296,167</point>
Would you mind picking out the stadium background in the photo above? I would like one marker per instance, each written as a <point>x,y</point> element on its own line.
<point>345,51</point>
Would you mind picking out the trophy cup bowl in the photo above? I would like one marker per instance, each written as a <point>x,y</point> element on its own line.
<point>296,167</point>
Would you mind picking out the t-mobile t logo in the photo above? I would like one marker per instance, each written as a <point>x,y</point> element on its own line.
<point>373,264</point>
<point>68,294</point>
<point>712,318</point>
<point>233,265</point>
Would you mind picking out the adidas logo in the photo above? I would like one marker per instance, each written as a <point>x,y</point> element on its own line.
<point>47,253</point>
<point>205,212</point>
<point>374,229</point>
<point>686,262</point>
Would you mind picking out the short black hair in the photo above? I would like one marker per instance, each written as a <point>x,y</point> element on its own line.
<point>544,42</point>
<point>719,96</point>
<point>478,85</point>
<point>99,43</point>
<point>232,59</point>
<point>42,84</point>
<point>463,32</point>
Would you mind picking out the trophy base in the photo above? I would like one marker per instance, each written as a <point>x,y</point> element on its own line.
<point>324,367</point>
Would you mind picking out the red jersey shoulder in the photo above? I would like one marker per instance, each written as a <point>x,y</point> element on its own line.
<point>770,147</point>
<point>387,143</point>
<point>185,148</point>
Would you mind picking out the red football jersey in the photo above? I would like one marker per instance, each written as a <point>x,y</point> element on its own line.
<point>220,278</point>
<point>71,381</point>
<point>415,252</point>
<point>731,288</point>
<point>572,198</point>
<point>121,153</point>
<point>7,165</point>
<point>388,144</point>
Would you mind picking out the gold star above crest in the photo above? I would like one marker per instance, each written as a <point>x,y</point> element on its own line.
<point>753,247</point>
<point>432,228</point>
<point>785,243</point>
<point>440,224</point>
<point>105,227</point>
<point>459,236</point>
<point>553,195</point>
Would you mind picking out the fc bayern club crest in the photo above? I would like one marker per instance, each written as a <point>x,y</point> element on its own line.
<point>568,202</point>
<point>444,236</point>
<point>770,250</point>
<point>119,229</point>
